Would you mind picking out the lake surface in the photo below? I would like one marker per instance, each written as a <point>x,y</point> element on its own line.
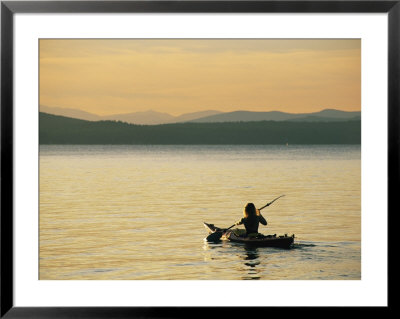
<point>137,212</point>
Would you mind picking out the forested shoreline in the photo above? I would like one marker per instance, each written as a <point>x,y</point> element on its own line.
<point>55,129</point>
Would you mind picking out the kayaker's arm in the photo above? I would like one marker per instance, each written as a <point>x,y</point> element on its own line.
<point>240,222</point>
<point>262,220</point>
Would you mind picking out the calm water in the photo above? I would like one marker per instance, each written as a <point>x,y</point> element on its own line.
<point>137,212</point>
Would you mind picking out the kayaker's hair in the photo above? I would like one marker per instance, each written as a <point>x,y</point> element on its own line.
<point>249,210</point>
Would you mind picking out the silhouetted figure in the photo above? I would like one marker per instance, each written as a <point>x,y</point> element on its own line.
<point>252,218</point>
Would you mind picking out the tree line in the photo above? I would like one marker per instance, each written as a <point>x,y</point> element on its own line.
<point>62,130</point>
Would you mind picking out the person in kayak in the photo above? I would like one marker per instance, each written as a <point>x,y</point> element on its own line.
<point>252,218</point>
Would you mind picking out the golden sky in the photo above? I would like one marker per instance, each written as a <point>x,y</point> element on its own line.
<point>182,76</point>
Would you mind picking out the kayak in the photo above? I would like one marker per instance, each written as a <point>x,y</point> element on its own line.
<point>259,240</point>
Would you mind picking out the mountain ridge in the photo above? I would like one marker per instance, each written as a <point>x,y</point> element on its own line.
<point>249,116</point>
<point>151,117</point>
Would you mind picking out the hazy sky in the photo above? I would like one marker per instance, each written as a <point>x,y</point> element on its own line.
<point>182,76</point>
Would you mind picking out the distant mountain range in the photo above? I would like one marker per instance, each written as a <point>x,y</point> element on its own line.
<point>211,116</point>
<point>145,118</point>
<point>327,115</point>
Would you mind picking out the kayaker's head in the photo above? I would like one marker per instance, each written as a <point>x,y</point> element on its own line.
<point>249,210</point>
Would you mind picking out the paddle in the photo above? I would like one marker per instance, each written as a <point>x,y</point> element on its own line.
<point>216,236</point>
<point>271,202</point>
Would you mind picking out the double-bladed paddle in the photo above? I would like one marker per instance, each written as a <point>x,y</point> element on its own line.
<point>216,236</point>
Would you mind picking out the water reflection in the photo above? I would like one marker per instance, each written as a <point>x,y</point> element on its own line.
<point>224,250</point>
<point>251,257</point>
<point>210,245</point>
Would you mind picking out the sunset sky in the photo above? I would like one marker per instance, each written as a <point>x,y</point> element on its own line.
<point>182,76</point>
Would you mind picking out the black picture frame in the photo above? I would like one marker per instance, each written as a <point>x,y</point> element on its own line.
<point>9,8</point>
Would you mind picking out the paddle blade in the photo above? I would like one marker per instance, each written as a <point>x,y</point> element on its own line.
<point>216,236</point>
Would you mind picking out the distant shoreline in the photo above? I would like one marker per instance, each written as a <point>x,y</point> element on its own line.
<point>61,130</point>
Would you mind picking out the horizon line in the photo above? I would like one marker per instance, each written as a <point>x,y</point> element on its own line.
<point>238,110</point>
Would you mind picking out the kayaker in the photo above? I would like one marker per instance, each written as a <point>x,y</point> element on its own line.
<point>252,217</point>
